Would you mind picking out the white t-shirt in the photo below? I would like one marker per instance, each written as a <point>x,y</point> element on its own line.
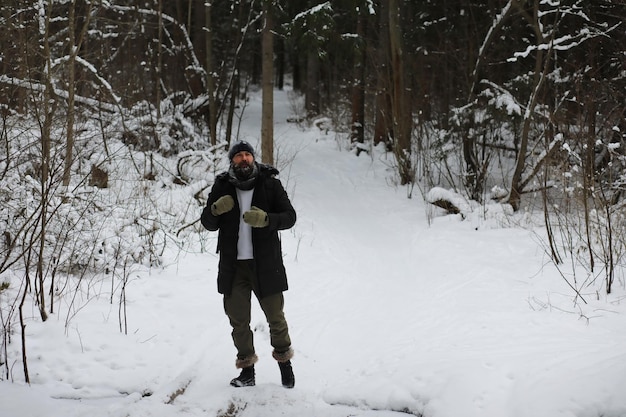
<point>244,244</point>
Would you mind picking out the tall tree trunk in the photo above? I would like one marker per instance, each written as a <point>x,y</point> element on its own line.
<point>280,63</point>
<point>210,80</point>
<point>69,147</point>
<point>312,96</point>
<point>267,118</point>
<point>383,130</point>
<point>74,47</point>
<point>234,95</point>
<point>296,64</point>
<point>46,129</point>
<point>257,60</point>
<point>22,64</point>
<point>400,102</point>
<point>159,64</point>
<point>358,87</point>
<point>189,14</point>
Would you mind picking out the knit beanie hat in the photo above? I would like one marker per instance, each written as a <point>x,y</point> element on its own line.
<point>239,147</point>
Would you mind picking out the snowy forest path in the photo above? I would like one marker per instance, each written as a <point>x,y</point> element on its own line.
<point>393,310</point>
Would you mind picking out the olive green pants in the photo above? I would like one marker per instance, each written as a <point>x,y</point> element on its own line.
<point>237,306</point>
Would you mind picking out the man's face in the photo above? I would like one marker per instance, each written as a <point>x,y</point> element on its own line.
<point>242,163</point>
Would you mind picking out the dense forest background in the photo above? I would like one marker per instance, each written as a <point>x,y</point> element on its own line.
<point>493,99</point>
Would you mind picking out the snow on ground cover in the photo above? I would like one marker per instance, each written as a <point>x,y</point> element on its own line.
<point>391,313</point>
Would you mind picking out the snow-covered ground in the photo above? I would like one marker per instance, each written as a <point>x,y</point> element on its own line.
<point>394,309</point>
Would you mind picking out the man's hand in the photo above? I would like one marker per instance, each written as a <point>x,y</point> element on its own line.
<point>223,205</point>
<point>256,217</point>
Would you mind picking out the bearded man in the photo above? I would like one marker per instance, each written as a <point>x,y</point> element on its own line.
<point>249,206</point>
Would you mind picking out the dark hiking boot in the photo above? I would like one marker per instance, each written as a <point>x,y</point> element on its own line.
<point>286,374</point>
<point>245,379</point>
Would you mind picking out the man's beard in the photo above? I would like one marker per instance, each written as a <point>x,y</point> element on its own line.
<point>243,170</point>
<point>243,176</point>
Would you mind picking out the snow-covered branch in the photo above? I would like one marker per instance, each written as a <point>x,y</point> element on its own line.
<point>36,86</point>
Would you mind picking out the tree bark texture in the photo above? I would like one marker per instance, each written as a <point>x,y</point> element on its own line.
<point>267,118</point>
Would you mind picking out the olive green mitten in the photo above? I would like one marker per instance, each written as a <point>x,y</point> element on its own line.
<point>256,217</point>
<point>222,205</point>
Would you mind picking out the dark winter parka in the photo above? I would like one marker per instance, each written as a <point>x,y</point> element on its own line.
<point>270,196</point>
